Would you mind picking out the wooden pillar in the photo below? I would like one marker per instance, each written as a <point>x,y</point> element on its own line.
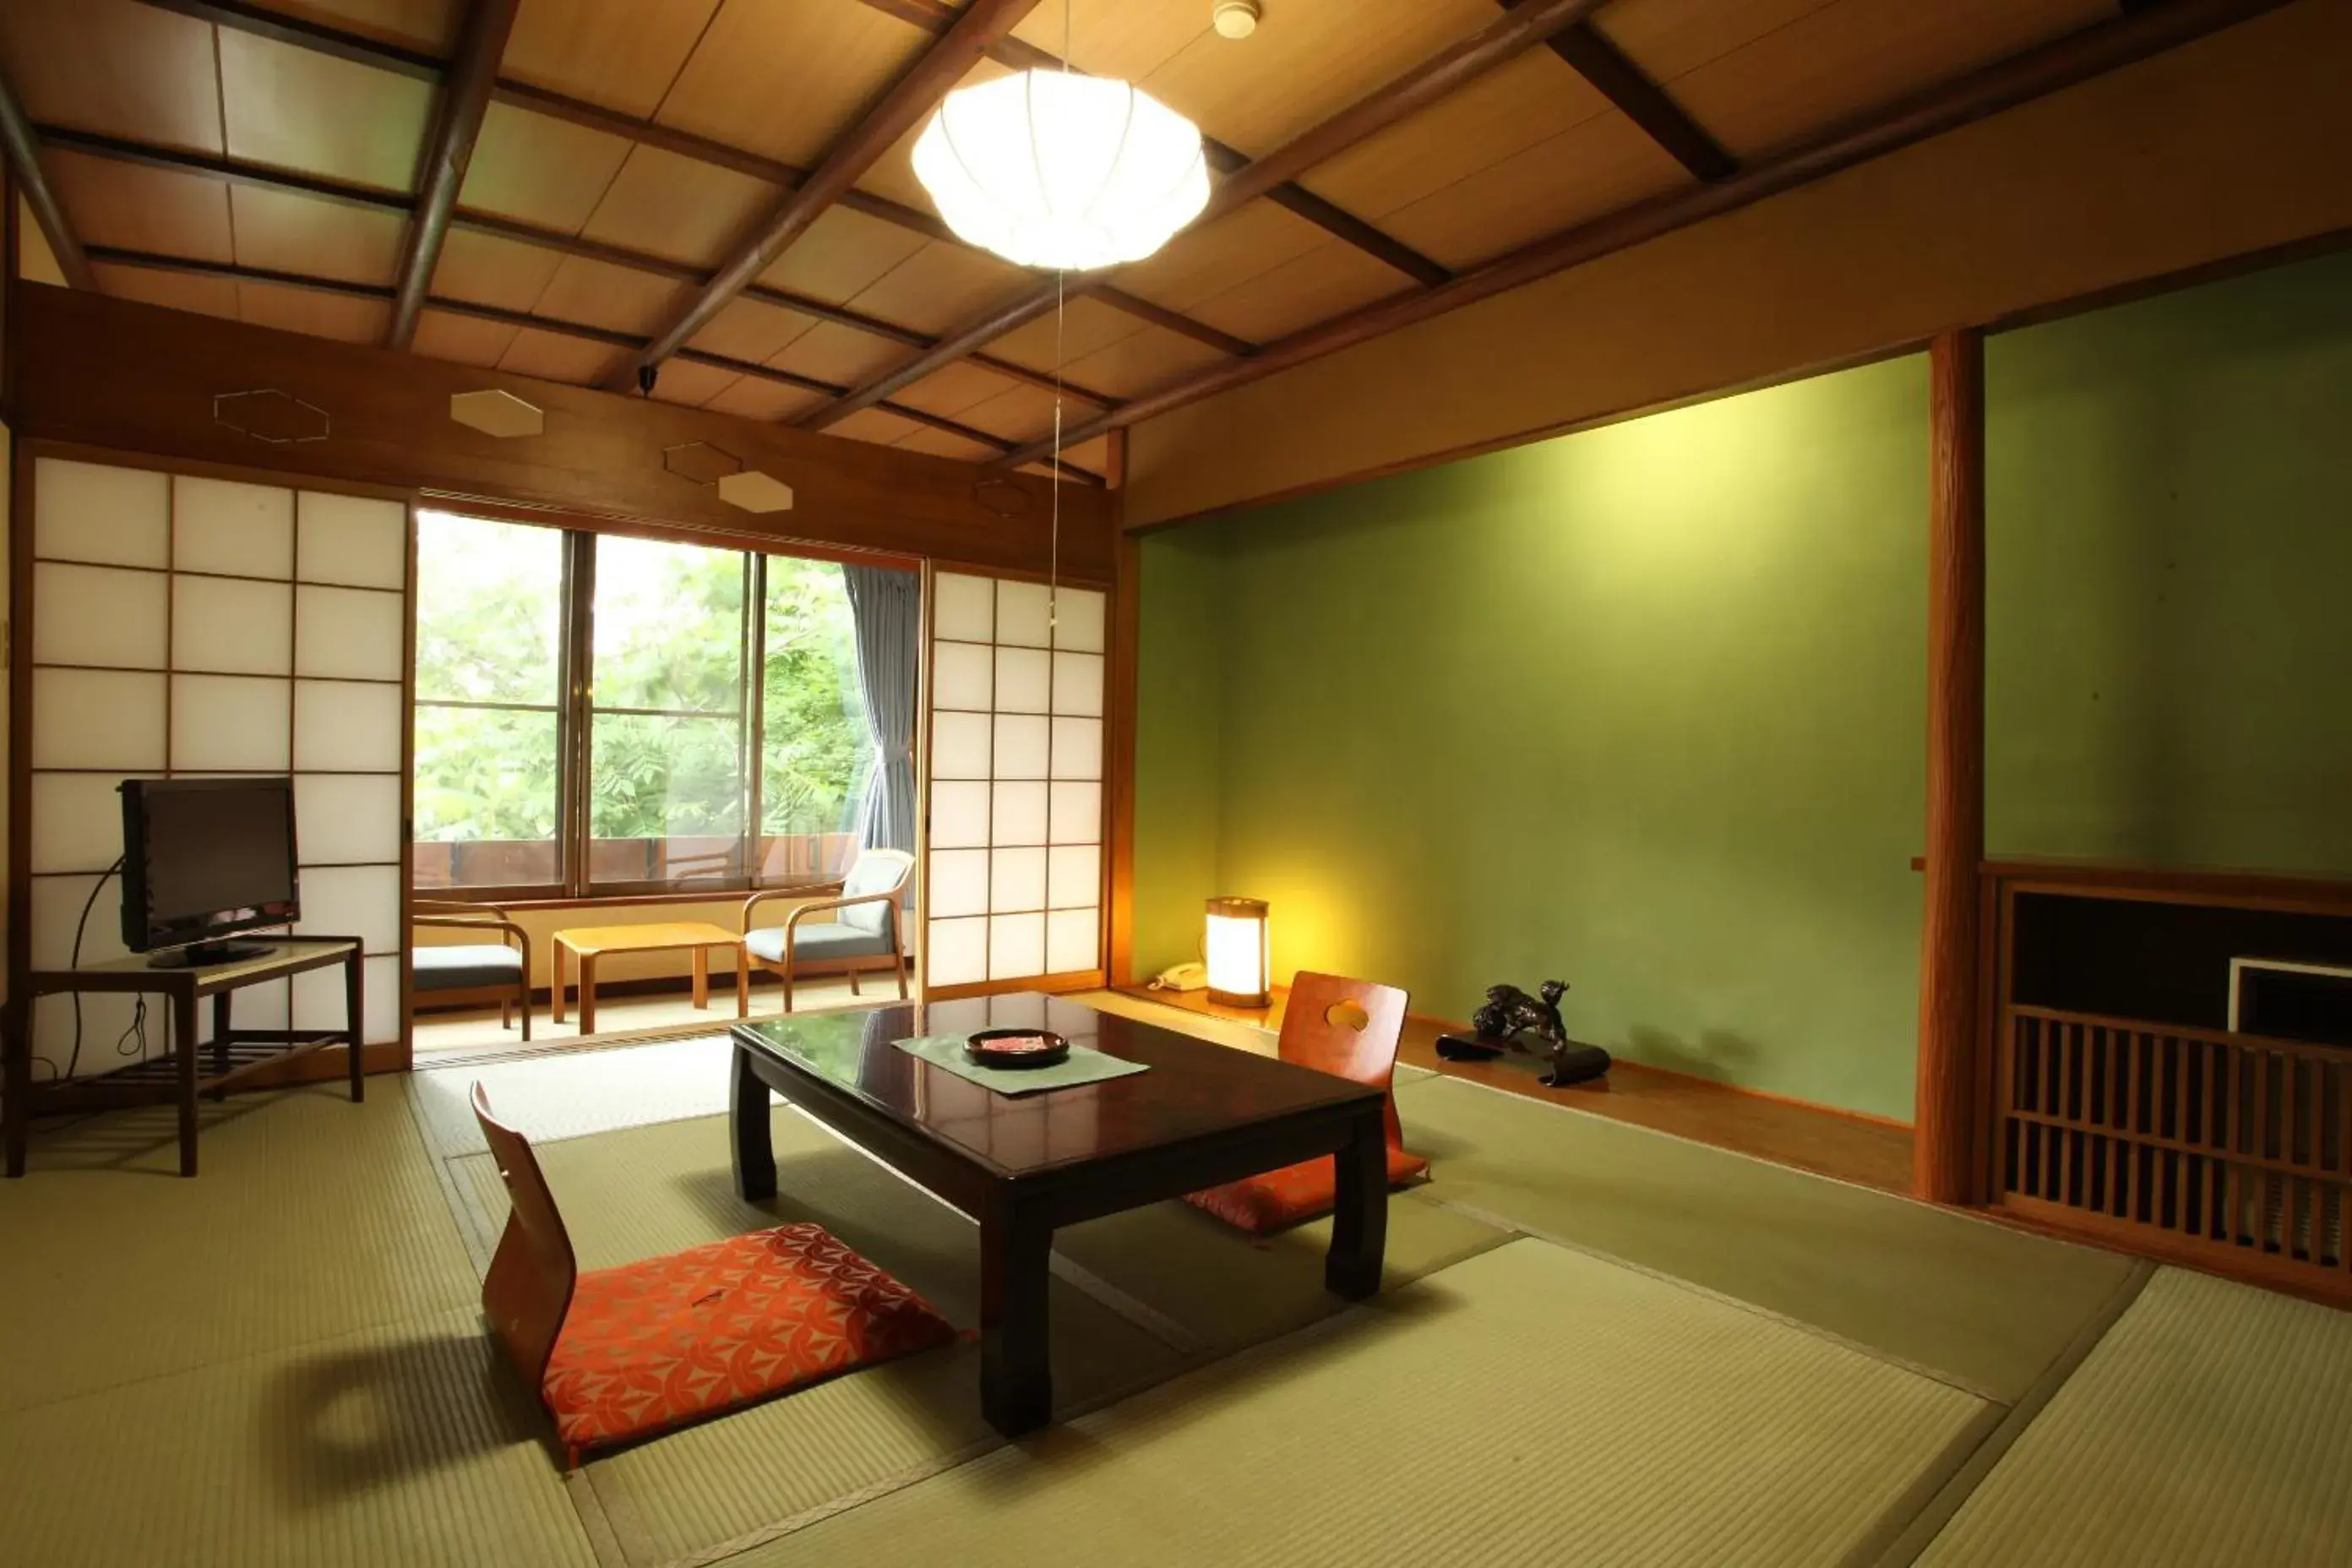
<point>1119,761</point>
<point>1944,1150</point>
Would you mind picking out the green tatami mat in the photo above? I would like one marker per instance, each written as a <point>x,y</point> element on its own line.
<point>1532,1405</point>
<point>311,1217</point>
<point>408,1445</point>
<point>2212,1427</point>
<point>571,1094</point>
<point>1983,1306</point>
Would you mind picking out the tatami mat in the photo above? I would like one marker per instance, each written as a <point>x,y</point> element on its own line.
<point>572,1093</point>
<point>1983,1306</point>
<point>2212,1427</point>
<point>1532,1405</point>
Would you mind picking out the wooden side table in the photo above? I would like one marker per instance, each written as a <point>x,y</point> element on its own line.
<point>586,944</point>
<point>236,1054</point>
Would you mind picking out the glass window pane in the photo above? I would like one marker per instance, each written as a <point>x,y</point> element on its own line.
<point>486,798</point>
<point>814,752</point>
<point>490,611</point>
<point>665,799</point>
<point>669,625</point>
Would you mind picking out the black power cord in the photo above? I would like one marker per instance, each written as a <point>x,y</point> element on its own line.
<point>139,1011</point>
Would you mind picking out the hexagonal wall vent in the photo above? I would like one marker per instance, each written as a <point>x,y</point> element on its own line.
<point>755,491</point>
<point>496,413</point>
<point>1001,497</point>
<point>701,462</point>
<point>276,418</point>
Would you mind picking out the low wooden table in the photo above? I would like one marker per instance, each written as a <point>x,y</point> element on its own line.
<point>586,944</point>
<point>1024,1165</point>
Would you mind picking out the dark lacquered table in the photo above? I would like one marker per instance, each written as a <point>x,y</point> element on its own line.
<point>1023,1165</point>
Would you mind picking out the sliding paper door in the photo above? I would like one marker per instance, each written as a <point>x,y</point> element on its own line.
<point>1015,771</point>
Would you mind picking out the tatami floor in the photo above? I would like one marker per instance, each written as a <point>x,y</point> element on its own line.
<point>475,1031</point>
<point>1598,1343</point>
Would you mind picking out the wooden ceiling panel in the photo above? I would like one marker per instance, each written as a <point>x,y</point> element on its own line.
<point>1512,108</point>
<point>753,398</point>
<point>113,67</point>
<point>597,294</point>
<point>678,207</point>
<point>462,340</point>
<point>1603,164</point>
<point>539,170</point>
<point>1019,413</point>
<point>1306,63</point>
<point>951,389</point>
<point>683,381</point>
<point>892,175</point>
<point>623,54</point>
<point>841,253</point>
<point>839,354</point>
<point>427,25</point>
<point>298,109</point>
<point>135,208</point>
<point>1668,39</point>
<point>1332,279</point>
<point>1089,326</point>
<point>941,286</point>
<point>554,358</point>
<point>1201,262</point>
<point>178,291</point>
<point>751,331</point>
<point>1092,456</point>
<point>946,444</point>
<point>1125,39</point>
<point>1855,55</point>
<point>485,270</point>
<point>786,78</point>
<point>876,424</point>
<point>321,315</point>
<point>1140,361</point>
<point>287,233</point>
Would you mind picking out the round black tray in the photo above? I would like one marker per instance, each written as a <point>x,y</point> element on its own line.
<point>976,1051</point>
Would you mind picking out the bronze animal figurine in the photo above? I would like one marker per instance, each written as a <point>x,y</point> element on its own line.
<point>1510,1014</point>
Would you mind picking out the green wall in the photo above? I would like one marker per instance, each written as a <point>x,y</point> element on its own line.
<point>1643,707</point>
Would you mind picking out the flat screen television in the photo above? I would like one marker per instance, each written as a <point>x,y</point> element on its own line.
<point>202,860</point>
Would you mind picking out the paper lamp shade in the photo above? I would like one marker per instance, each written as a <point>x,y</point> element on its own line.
<point>1236,949</point>
<point>1055,169</point>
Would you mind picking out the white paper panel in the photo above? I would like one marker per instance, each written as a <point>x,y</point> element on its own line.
<point>965,607</point>
<point>1079,684</point>
<point>259,1006</point>
<point>340,726</point>
<point>99,615</point>
<point>56,905</point>
<point>1071,940</point>
<point>348,632</point>
<point>352,901</point>
<point>220,623</point>
<point>1024,680</point>
<point>959,815</point>
<point>1076,814</point>
<point>1021,740</point>
<point>342,818</point>
<point>221,525</point>
<point>960,745</point>
<point>1072,876</point>
<point>98,719</point>
<point>348,538</point>
<point>1016,946</point>
<point>1077,748</point>
<point>76,821</point>
<point>230,721</point>
<point>1020,614</point>
<point>959,882</point>
<point>318,1001</point>
<point>1016,880</point>
<point>1020,814</point>
<point>1078,620</point>
<point>85,512</point>
<point>957,951</point>
<point>961,675</point>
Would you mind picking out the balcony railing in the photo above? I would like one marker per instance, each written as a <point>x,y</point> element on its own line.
<point>685,861</point>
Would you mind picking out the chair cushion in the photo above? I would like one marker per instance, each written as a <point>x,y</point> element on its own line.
<point>876,871</point>
<point>463,968</point>
<point>1274,1199</point>
<point>816,941</point>
<point>666,1340</point>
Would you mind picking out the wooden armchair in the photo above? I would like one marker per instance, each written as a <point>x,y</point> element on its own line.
<point>863,930</point>
<point>503,965</point>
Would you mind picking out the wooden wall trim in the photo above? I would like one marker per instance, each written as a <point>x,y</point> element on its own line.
<point>115,373</point>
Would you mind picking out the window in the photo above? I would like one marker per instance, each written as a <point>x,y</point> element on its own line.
<point>712,737</point>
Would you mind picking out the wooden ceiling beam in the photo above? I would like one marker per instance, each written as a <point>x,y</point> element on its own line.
<point>1589,53</point>
<point>2061,63</point>
<point>916,92</point>
<point>24,151</point>
<point>464,99</point>
<point>465,221</point>
<point>1507,36</point>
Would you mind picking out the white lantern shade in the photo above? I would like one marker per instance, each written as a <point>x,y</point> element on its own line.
<point>1051,169</point>
<point>1236,946</point>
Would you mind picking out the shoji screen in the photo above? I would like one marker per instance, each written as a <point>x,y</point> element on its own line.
<point>1016,799</point>
<point>187,626</point>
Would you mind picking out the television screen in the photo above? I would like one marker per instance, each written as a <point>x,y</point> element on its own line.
<point>202,857</point>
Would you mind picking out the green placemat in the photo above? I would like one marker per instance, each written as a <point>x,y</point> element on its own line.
<point>1083,1066</point>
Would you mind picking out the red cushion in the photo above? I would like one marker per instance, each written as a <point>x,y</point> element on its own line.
<point>1273,1199</point>
<point>657,1344</point>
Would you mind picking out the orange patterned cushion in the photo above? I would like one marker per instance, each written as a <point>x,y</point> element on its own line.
<point>1273,1199</point>
<point>654,1344</point>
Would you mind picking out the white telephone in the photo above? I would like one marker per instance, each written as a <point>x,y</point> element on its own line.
<point>1183,977</point>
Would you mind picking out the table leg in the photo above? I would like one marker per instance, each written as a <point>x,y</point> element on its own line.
<point>702,977</point>
<point>587,962</point>
<point>1359,1220</point>
<point>555,983</point>
<point>754,1147</point>
<point>220,1038</point>
<point>355,1021</point>
<point>1016,1376</point>
<point>19,1048</point>
<point>183,1036</point>
<point>743,983</point>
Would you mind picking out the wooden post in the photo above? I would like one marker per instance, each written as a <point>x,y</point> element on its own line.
<point>1943,1151</point>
